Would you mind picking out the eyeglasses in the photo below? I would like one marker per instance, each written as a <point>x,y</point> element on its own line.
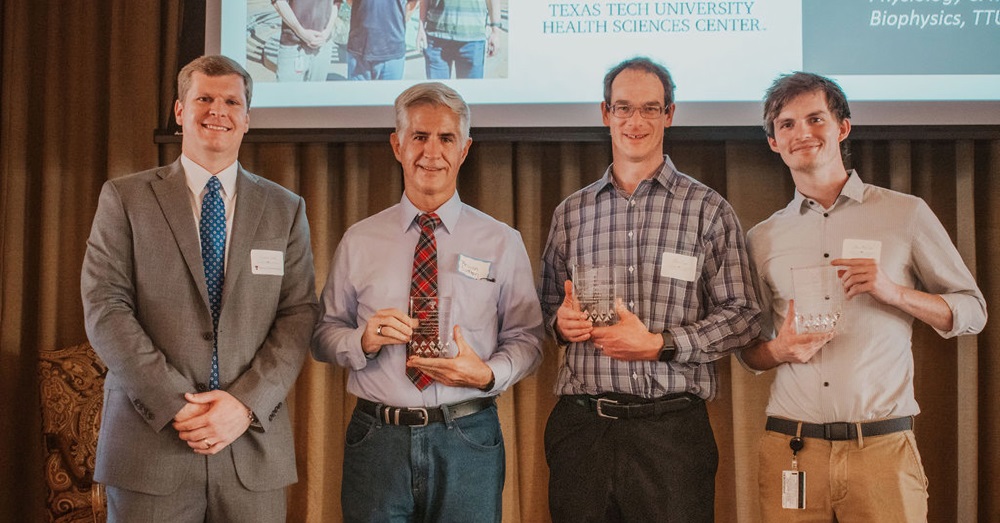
<point>647,111</point>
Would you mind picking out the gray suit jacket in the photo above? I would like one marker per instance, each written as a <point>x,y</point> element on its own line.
<point>147,316</point>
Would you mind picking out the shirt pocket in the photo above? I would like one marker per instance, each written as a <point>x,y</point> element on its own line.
<point>474,303</point>
<point>671,295</point>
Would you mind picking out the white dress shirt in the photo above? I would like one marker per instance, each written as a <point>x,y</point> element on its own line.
<point>197,178</point>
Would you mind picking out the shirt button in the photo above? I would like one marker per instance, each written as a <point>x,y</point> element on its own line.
<point>632,203</point>
<point>207,336</point>
<point>826,383</point>
<point>630,234</point>
<point>631,268</point>
<point>631,304</point>
<point>826,255</point>
<point>826,215</point>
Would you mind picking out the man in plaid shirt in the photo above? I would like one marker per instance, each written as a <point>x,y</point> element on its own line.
<point>630,439</point>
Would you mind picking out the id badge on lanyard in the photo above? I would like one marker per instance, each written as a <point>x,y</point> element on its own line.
<point>793,482</point>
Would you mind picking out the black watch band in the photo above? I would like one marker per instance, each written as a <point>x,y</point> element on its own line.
<point>489,386</point>
<point>669,349</point>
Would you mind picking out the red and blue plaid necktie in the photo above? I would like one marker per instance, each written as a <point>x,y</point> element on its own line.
<point>424,284</point>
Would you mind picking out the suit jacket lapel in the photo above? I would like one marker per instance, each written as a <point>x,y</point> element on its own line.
<point>251,200</point>
<point>171,192</point>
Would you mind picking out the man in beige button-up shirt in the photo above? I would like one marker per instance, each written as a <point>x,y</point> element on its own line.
<point>843,400</point>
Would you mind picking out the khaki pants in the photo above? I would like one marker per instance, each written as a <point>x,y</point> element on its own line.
<point>879,479</point>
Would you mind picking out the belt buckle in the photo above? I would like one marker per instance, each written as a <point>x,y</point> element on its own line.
<point>600,411</point>
<point>414,409</point>
<point>839,431</point>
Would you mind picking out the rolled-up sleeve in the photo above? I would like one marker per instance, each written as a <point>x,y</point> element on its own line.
<point>941,270</point>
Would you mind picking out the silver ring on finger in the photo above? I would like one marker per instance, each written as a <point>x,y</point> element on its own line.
<point>379,330</point>
<point>208,444</point>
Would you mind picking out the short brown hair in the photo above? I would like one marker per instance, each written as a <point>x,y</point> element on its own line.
<point>788,86</point>
<point>641,63</point>
<point>213,65</point>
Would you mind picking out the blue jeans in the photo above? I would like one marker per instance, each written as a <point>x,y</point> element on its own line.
<point>467,58</point>
<point>374,70</point>
<point>450,471</point>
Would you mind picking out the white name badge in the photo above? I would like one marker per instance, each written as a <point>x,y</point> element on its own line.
<point>679,267</point>
<point>862,249</point>
<point>473,268</point>
<point>793,489</point>
<point>267,262</point>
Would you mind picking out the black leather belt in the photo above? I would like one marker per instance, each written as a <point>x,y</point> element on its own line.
<point>422,416</point>
<point>840,431</point>
<point>619,408</point>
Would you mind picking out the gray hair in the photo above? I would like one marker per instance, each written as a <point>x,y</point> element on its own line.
<point>436,94</point>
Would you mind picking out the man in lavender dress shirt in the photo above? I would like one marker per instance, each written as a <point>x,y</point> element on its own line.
<point>434,454</point>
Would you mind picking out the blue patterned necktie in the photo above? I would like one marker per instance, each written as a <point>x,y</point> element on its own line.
<point>212,230</point>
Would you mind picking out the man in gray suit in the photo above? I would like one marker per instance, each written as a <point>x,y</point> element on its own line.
<point>199,295</point>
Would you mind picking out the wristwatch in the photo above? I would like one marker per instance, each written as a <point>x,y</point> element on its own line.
<point>668,350</point>
<point>489,386</point>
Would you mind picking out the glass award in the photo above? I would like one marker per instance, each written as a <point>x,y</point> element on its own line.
<point>819,298</point>
<point>596,288</point>
<point>431,336</point>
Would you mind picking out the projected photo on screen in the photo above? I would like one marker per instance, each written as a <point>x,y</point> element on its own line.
<point>540,63</point>
<point>336,40</point>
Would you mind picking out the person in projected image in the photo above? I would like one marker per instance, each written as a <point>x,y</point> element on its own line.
<point>842,405</point>
<point>456,36</point>
<point>305,45</point>
<point>341,29</point>
<point>376,45</point>
<point>424,442</point>
<point>199,295</point>
<point>630,439</point>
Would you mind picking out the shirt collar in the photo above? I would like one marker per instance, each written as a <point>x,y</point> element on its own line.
<point>663,175</point>
<point>448,212</point>
<point>854,189</point>
<point>197,177</point>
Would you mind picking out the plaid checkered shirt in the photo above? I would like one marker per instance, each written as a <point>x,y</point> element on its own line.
<point>710,317</point>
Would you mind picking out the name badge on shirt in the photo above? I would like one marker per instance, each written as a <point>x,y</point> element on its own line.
<point>679,267</point>
<point>267,262</point>
<point>473,268</point>
<point>862,249</point>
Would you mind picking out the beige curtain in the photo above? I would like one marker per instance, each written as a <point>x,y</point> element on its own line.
<point>80,107</point>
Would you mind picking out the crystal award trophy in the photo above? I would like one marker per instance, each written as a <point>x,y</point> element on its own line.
<point>819,298</point>
<point>596,288</point>
<point>430,338</point>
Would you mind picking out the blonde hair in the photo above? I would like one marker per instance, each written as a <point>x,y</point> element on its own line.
<point>212,65</point>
